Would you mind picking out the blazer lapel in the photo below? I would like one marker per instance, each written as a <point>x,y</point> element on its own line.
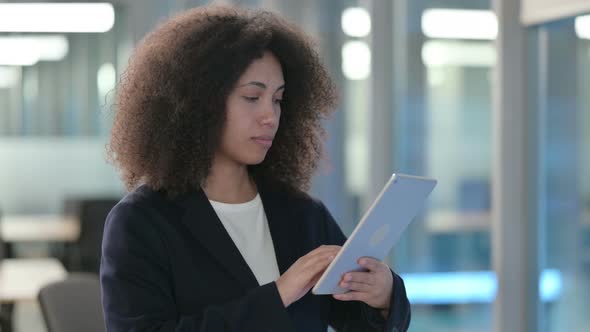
<point>284,228</point>
<point>204,224</point>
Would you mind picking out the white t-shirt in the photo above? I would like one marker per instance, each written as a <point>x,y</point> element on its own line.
<point>247,225</point>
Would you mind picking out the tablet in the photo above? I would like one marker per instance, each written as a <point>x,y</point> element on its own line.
<point>394,208</point>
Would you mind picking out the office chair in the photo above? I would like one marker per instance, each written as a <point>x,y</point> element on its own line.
<point>73,305</point>
<point>6,309</point>
<point>84,254</point>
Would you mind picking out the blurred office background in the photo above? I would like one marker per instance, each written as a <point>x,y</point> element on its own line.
<point>491,97</point>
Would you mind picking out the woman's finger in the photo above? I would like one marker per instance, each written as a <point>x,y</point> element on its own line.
<point>370,263</point>
<point>322,250</point>
<point>314,266</point>
<point>356,286</point>
<point>359,277</point>
<point>318,254</point>
<point>351,296</point>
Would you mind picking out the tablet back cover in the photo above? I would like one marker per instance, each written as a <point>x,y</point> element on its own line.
<point>396,206</point>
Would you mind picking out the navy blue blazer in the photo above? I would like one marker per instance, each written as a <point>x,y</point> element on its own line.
<point>169,265</point>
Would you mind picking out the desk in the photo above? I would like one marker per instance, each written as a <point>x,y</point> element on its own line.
<point>457,222</point>
<point>46,228</point>
<point>22,279</point>
<point>479,221</point>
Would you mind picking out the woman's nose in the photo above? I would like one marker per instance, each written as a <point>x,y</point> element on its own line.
<point>270,114</point>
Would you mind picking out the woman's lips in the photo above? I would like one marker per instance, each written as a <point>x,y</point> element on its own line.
<point>265,141</point>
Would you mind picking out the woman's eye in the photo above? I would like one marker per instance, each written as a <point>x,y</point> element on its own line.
<point>251,99</point>
<point>278,101</point>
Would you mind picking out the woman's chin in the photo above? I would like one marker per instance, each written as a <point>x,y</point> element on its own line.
<point>254,160</point>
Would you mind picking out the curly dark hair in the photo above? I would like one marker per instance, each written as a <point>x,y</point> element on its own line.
<point>170,106</point>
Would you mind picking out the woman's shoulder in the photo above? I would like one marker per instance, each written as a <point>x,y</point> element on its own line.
<point>136,201</point>
<point>140,208</point>
<point>133,225</point>
<point>142,195</point>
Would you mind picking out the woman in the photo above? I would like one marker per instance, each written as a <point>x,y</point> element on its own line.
<point>217,134</point>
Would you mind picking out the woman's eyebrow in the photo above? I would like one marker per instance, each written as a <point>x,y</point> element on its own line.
<point>261,85</point>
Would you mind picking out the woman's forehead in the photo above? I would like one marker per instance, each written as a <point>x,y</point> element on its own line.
<point>265,72</point>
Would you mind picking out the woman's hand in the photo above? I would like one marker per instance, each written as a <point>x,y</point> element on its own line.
<point>372,287</point>
<point>305,273</point>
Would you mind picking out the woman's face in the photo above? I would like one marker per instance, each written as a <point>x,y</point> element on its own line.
<point>253,111</point>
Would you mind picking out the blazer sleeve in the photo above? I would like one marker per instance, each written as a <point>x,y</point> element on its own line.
<point>137,289</point>
<point>356,315</point>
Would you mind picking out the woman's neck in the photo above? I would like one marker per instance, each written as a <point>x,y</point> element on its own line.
<point>229,182</point>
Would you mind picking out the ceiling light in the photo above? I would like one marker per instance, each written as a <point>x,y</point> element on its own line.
<point>356,22</point>
<point>583,27</point>
<point>28,50</point>
<point>9,77</point>
<point>439,53</point>
<point>459,24</point>
<point>56,17</point>
<point>356,60</point>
